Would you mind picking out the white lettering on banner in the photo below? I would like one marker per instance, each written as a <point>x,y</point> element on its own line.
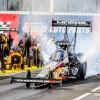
<point>35,27</point>
<point>87,30</point>
<point>61,22</point>
<point>63,29</point>
<point>71,22</point>
<point>79,30</point>
<point>83,29</point>
<point>50,30</point>
<point>70,30</point>
<point>57,29</point>
<point>38,27</point>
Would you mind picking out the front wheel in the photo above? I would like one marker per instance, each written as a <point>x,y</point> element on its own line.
<point>28,75</point>
<point>50,76</point>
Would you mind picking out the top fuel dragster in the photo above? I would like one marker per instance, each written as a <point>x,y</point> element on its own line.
<point>63,64</point>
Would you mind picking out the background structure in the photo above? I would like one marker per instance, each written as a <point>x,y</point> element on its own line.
<point>51,5</point>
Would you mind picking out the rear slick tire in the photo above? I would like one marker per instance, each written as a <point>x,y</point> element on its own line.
<point>83,73</point>
<point>83,69</point>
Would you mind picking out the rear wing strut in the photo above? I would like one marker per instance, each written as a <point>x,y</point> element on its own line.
<point>60,23</point>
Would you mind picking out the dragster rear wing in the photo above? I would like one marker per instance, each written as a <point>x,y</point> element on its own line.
<point>60,23</point>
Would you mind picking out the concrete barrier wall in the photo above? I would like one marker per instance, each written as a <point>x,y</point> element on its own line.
<point>92,6</point>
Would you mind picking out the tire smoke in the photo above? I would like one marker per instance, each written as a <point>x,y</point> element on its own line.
<point>90,55</point>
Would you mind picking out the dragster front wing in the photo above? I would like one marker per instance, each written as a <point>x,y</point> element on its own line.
<point>34,80</point>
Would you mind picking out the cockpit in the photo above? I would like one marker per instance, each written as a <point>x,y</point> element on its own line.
<point>58,55</point>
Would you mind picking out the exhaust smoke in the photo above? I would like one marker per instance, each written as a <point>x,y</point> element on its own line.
<point>87,44</point>
<point>47,48</point>
<point>90,56</point>
<point>92,53</point>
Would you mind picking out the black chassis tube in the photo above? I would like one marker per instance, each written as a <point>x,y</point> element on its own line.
<point>34,80</point>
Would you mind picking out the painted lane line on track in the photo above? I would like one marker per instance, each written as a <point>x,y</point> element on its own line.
<point>95,89</point>
<point>17,72</point>
<point>82,96</point>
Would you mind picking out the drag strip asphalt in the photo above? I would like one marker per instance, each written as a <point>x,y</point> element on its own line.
<point>5,79</point>
<point>5,76</point>
<point>17,91</point>
<point>72,89</point>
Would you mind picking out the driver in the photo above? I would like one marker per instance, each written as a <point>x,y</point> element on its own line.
<point>62,56</point>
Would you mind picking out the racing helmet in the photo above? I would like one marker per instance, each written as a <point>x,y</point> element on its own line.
<point>62,56</point>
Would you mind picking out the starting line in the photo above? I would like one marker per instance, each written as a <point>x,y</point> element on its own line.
<point>93,94</point>
<point>82,96</point>
<point>94,90</point>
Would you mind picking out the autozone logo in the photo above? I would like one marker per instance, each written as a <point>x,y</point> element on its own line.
<point>35,27</point>
<point>70,22</point>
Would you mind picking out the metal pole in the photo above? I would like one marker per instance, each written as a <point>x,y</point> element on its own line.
<point>7,4</point>
<point>67,5</point>
<point>96,6</point>
<point>21,5</point>
<point>75,40</point>
<point>30,16</point>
